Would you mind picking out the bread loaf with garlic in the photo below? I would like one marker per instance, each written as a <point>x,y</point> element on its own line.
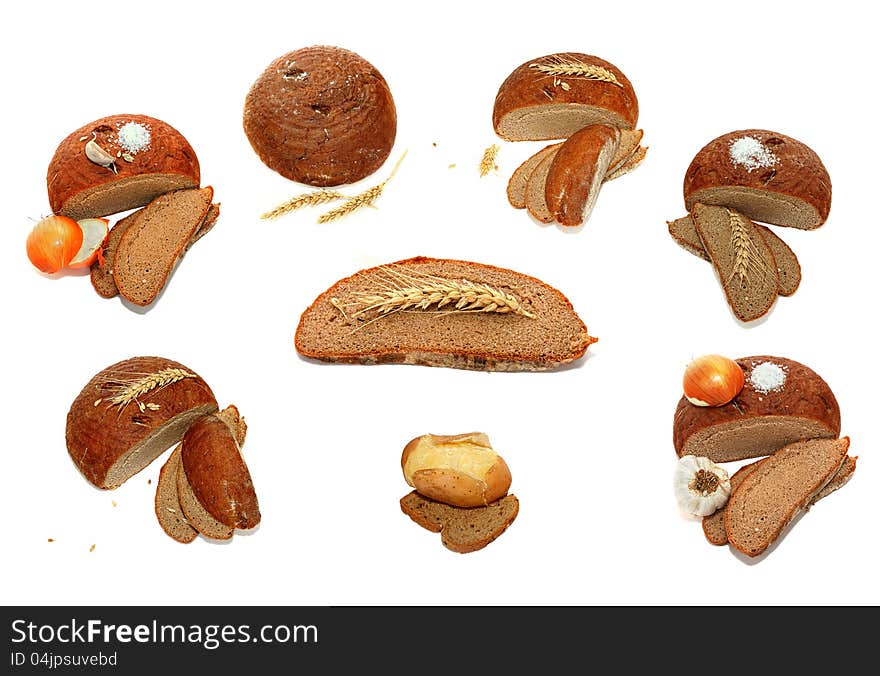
<point>118,163</point>
<point>131,412</point>
<point>765,175</point>
<point>440,312</point>
<point>782,401</point>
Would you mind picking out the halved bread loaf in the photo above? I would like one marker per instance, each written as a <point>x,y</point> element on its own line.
<point>516,186</point>
<point>556,95</point>
<point>167,503</point>
<point>438,312</point>
<point>153,243</point>
<point>462,529</point>
<point>162,161</point>
<point>743,260</point>
<point>788,268</point>
<point>781,486</point>
<point>764,175</point>
<point>577,172</point>
<point>536,189</point>
<point>131,412</point>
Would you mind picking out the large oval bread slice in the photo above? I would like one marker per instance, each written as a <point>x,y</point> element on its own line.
<point>438,312</point>
<point>519,179</point>
<point>759,423</point>
<point>779,488</point>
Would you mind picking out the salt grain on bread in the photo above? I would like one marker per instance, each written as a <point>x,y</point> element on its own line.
<point>544,332</point>
<point>157,159</point>
<point>129,413</point>
<point>757,423</point>
<point>765,175</point>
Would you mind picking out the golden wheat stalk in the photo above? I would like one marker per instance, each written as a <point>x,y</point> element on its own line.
<point>397,291</point>
<point>487,164</point>
<point>558,66</point>
<point>303,200</point>
<point>746,258</point>
<point>127,391</point>
<point>366,198</point>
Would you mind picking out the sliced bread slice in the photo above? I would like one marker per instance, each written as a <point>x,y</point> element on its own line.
<point>438,312</point>
<point>742,259</point>
<point>519,180</point>
<point>577,172</point>
<point>627,147</point>
<point>778,489</point>
<point>154,243</point>
<point>631,163</point>
<point>167,504</point>
<point>536,195</point>
<point>462,529</point>
<point>788,268</point>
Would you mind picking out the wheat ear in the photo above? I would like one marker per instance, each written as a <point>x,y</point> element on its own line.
<point>366,198</point>
<point>129,391</point>
<point>746,255</point>
<point>398,291</point>
<point>558,66</point>
<point>487,164</point>
<point>303,200</point>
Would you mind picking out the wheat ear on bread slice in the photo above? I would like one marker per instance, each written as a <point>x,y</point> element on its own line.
<point>788,269</point>
<point>462,529</point>
<point>743,260</point>
<point>577,172</point>
<point>155,242</point>
<point>440,312</point>
<point>780,487</point>
<point>713,525</point>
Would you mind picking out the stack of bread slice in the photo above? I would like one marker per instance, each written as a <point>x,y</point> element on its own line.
<point>735,180</point>
<point>588,102</point>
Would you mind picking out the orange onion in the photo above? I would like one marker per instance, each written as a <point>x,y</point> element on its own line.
<point>95,231</point>
<point>53,243</point>
<point>712,380</point>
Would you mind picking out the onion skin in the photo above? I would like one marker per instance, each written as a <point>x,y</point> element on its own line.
<point>712,380</point>
<point>53,243</point>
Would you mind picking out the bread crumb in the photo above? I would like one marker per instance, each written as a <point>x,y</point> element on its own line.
<point>149,481</point>
<point>51,540</point>
<point>92,548</point>
<point>434,144</point>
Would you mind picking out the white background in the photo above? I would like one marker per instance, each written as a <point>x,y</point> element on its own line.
<point>589,448</point>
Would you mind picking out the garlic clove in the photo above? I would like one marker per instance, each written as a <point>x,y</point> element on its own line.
<point>701,487</point>
<point>99,156</point>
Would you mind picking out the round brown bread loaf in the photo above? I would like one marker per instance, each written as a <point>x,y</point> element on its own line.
<point>131,412</point>
<point>759,423</point>
<point>322,116</point>
<point>767,176</point>
<point>80,188</point>
<point>556,95</point>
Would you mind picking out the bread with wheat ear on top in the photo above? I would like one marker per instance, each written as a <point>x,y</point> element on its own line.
<point>440,312</point>
<point>129,413</point>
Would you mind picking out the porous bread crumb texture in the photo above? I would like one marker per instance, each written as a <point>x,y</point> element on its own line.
<point>536,193</point>
<point>167,503</point>
<point>481,341</point>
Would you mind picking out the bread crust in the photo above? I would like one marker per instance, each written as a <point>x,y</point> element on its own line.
<point>798,173</point>
<point>71,176</point>
<point>805,396</point>
<point>100,434</point>
<point>527,87</point>
<point>322,116</point>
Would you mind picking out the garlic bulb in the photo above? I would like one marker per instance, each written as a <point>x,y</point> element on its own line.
<point>701,486</point>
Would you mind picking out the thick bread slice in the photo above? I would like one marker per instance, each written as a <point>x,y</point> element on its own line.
<point>536,195</point>
<point>626,148</point>
<point>207,225</point>
<point>196,514</point>
<point>152,245</point>
<point>516,186</point>
<point>541,333</point>
<point>167,504</point>
<point>577,172</point>
<point>778,489</point>
<point>788,268</point>
<point>462,529</point>
<point>742,259</point>
<point>632,162</point>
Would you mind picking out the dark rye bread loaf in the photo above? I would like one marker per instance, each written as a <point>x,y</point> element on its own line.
<point>765,175</point>
<point>577,172</point>
<point>743,260</point>
<point>102,269</point>
<point>556,95</point>
<point>536,190</point>
<point>131,412</point>
<point>713,525</point>
<point>788,268</point>
<point>534,328</point>
<point>759,423</point>
<point>155,241</point>
<point>780,487</point>
<point>322,116</point>
<point>79,188</point>
<point>462,529</point>
<point>519,179</point>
